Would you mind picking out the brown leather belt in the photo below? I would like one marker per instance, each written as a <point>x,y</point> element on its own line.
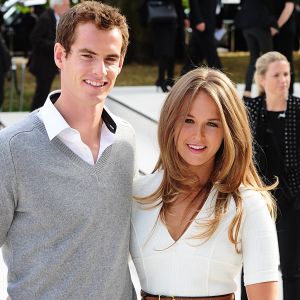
<point>146,296</point>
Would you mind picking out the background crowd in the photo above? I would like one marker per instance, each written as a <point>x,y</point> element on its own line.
<point>191,38</point>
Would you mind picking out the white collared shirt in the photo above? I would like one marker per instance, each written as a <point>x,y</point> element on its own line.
<point>56,125</point>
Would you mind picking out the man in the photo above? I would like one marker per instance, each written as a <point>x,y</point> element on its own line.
<point>41,63</point>
<point>67,170</point>
<point>202,45</point>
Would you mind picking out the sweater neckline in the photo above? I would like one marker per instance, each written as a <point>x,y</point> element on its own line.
<point>98,166</point>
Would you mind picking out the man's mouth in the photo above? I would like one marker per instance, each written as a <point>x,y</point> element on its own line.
<point>95,83</point>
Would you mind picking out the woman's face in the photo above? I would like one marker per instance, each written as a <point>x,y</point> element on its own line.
<point>276,80</point>
<point>200,134</point>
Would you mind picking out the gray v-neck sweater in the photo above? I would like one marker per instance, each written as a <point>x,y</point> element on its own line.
<point>64,224</point>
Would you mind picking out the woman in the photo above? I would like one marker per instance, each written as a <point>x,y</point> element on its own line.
<point>275,118</point>
<point>205,211</point>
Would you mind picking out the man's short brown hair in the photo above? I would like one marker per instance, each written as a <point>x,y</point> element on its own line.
<point>105,17</point>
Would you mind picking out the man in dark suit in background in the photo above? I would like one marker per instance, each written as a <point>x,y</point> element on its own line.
<point>41,63</point>
<point>202,45</point>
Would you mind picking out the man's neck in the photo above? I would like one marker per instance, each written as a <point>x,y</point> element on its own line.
<point>86,120</point>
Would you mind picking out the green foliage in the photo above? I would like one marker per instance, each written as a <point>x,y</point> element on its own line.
<point>185,3</point>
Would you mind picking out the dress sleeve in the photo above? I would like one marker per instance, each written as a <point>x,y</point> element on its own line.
<point>259,241</point>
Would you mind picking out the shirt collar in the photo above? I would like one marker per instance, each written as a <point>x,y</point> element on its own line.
<point>48,113</point>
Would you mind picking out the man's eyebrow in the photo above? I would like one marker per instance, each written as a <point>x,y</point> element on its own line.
<point>86,50</point>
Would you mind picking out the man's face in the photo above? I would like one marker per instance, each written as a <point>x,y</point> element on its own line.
<point>90,70</point>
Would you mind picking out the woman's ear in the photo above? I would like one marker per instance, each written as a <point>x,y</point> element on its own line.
<point>261,80</point>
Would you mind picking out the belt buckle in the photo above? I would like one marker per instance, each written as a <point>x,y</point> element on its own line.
<point>172,297</point>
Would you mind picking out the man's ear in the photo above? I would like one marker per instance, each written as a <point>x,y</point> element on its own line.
<point>121,64</point>
<point>59,55</point>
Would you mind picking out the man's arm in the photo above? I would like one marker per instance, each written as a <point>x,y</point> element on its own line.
<point>7,203</point>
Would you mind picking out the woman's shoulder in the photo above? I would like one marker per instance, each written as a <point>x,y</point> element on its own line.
<point>295,99</point>
<point>252,199</point>
<point>147,184</point>
<point>252,102</point>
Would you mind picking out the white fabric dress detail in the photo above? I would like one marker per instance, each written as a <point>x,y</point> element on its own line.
<point>193,267</point>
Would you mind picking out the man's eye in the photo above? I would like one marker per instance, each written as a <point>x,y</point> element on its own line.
<point>112,60</point>
<point>87,56</point>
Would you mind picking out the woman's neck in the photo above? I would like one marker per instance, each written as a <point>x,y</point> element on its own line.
<point>276,103</point>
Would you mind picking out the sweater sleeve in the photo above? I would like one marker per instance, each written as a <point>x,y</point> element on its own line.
<point>7,180</point>
<point>259,241</point>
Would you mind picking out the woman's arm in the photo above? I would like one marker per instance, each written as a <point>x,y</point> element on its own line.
<point>285,14</point>
<point>263,291</point>
<point>259,248</point>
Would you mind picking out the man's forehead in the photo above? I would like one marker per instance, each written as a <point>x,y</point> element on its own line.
<point>85,29</point>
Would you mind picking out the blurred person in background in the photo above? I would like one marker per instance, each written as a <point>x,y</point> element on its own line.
<point>284,36</point>
<point>275,120</point>
<point>41,62</point>
<point>256,22</point>
<point>202,46</point>
<point>5,62</point>
<point>164,34</point>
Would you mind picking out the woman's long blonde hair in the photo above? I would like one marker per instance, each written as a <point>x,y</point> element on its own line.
<point>234,161</point>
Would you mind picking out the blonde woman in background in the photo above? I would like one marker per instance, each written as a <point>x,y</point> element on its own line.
<point>204,212</point>
<point>275,120</point>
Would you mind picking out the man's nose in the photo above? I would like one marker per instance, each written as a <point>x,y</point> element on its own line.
<point>100,67</point>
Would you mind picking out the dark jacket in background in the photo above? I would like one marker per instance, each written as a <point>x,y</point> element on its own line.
<point>290,25</point>
<point>291,153</point>
<point>41,62</point>
<point>255,13</point>
<point>202,45</point>
<point>42,39</point>
<point>203,11</point>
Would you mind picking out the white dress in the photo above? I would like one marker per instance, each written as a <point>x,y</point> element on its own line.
<point>193,267</point>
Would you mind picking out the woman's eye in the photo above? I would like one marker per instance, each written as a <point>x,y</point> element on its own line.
<point>189,121</point>
<point>212,124</point>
